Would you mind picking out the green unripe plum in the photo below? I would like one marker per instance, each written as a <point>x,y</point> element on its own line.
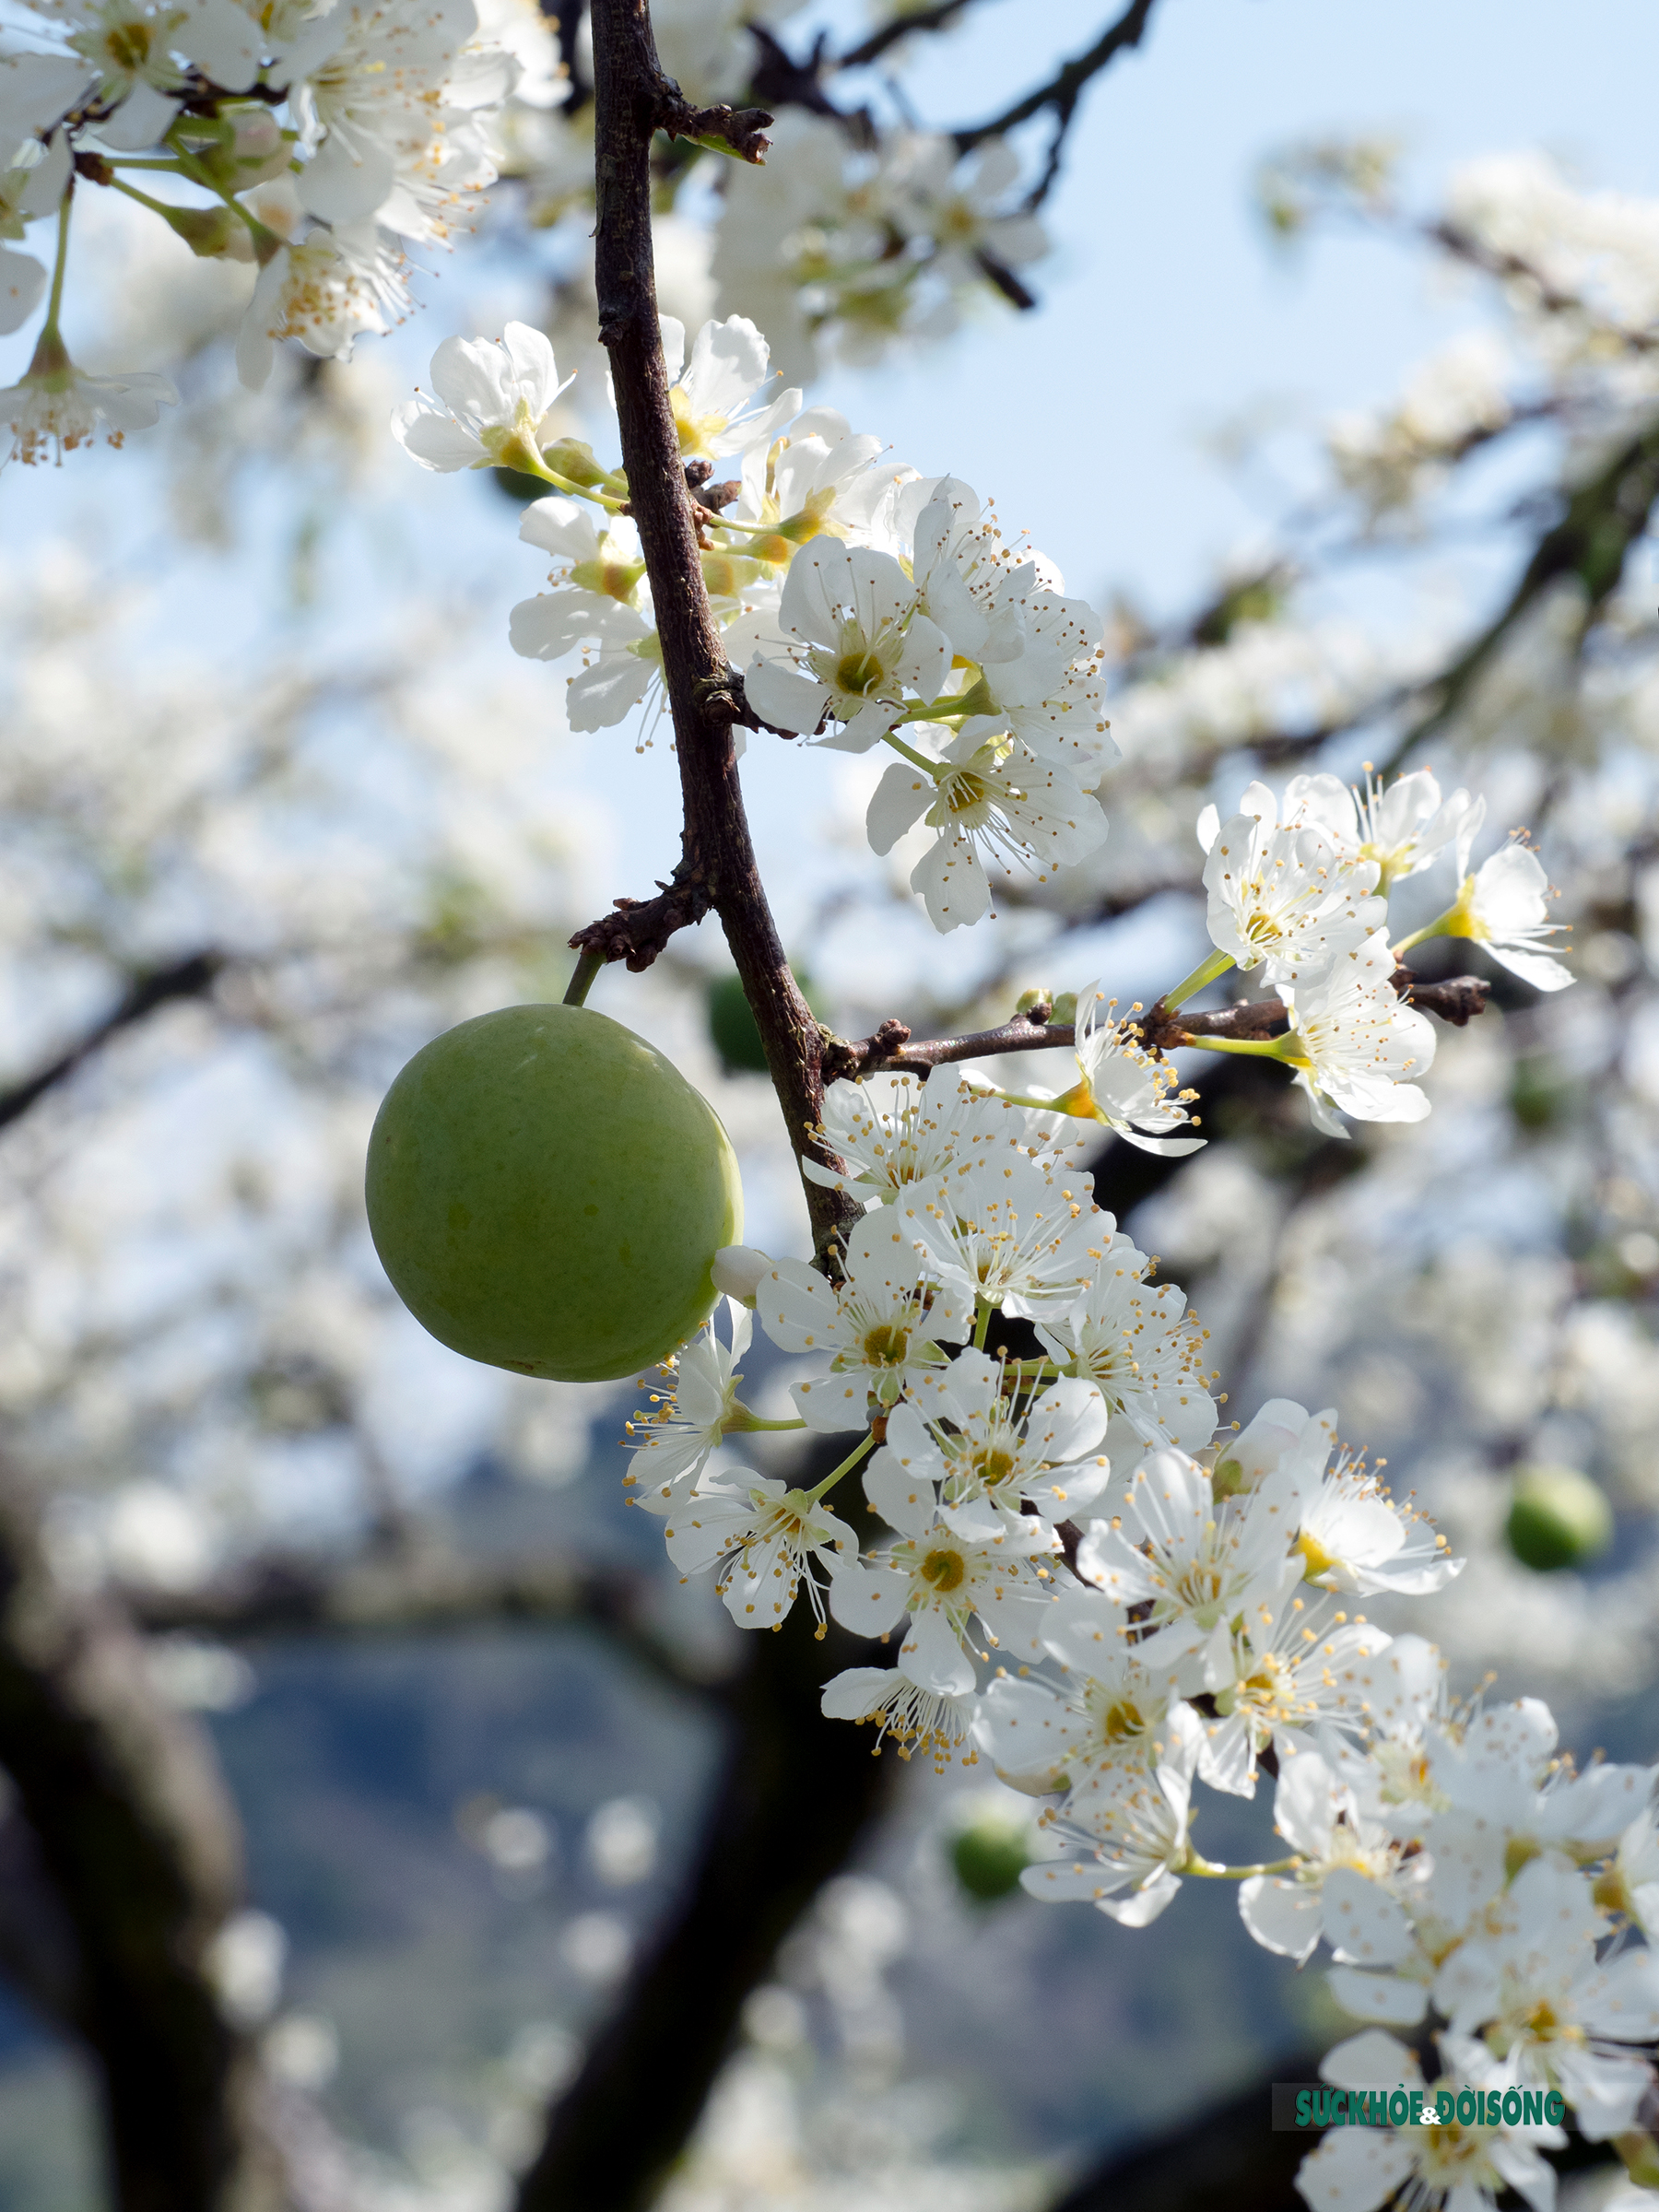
<point>548,1194</point>
<point>990,1852</point>
<point>732,1027</point>
<point>1558,1518</point>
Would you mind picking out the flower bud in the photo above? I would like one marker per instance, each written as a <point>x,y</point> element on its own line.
<point>739,1270</point>
<point>574,460</point>
<point>247,146</point>
<point>214,233</point>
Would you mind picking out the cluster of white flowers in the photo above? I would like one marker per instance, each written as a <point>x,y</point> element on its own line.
<point>1091,1589</point>
<point>1299,892</point>
<point>865,604</point>
<point>846,248</point>
<point>321,145</point>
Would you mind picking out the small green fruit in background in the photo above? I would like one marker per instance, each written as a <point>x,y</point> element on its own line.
<point>548,1193</point>
<point>1558,1518</point>
<point>991,1851</point>
<point>732,1029</point>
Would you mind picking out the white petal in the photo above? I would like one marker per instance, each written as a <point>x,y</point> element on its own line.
<point>780,695</point>
<point>22,283</point>
<point>144,117</point>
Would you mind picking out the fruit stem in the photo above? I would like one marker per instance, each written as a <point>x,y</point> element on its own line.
<point>582,982</point>
<point>846,1467</point>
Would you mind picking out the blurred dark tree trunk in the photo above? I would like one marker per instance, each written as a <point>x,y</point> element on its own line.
<point>795,1794</point>
<point>139,1838</point>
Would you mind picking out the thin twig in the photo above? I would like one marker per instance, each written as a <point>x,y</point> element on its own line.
<point>1062,94</point>
<point>937,17</point>
<point>425,1586</point>
<point>193,977</point>
<point>890,1050</point>
<point>1605,517</point>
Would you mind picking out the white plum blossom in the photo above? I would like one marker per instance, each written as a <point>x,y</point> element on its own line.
<point>493,402</point>
<point>763,1539</point>
<point>1283,895</point>
<point>384,111</point>
<point>1632,1884</point>
<point>1354,1040</point>
<point>1110,1715</point>
<point>989,802</point>
<point>1559,2016</point>
<point>823,479</point>
<point>1050,693</point>
<point>1504,905</point>
<point>1355,1539</point>
<point>1197,1563</point>
<point>1009,1236</point>
<point>1294,1667</point>
<point>1121,1085</point>
<point>1351,1534</point>
<point>714,393</point>
<point>599,603</point>
<point>934,1722</point>
<point>1341,1890</point>
<point>597,572</point>
<point>1466,2168</point>
<point>961,204</point>
<point>879,1329</point>
<point>854,643</point>
<point>980,1459</point>
<point>946,1584</point>
<point>959,565</point>
<point>56,406</point>
<point>895,1132</point>
<point>690,1419</point>
<point>1135,1841</point>
<point>36,90</point>
<point>1138,1341</point>
<point>1403,827</point>
<point>738,1271</point>
<point>325,287</point>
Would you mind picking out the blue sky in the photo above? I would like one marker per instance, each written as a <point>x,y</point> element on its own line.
<point>1165,311</point>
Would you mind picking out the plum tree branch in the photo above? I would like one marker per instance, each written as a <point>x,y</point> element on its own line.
<point>1603,518</point>
<point>717,868</point>
<point>1062,94</point>
<point>937,17</point>
<point>890,1050</point>
<point>423,1586</point>
<point>192,977</point>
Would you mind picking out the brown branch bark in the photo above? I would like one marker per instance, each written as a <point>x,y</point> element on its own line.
<point>140,1841</point>
<point>717,865</point>
<point>936,18</point>
<point>1062,94</point>
<point>889,1048</point>
<point>190,978</point>
<point>1456,1000</point>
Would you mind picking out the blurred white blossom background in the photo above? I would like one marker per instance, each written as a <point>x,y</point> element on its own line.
<point>258,709</point>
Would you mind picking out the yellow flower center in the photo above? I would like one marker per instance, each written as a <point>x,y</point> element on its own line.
<point>944,1569</point>
<point>887,1344</point>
